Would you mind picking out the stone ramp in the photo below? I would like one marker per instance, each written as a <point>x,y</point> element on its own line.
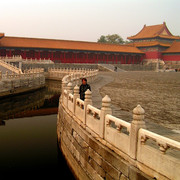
<point>4,70</point>
<point>110,67</point>
<point>6,67</point>
<point>101,80</point>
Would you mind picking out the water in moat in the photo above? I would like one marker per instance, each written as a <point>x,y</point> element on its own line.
<point>28,139</point>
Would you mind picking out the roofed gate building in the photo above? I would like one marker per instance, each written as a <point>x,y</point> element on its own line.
<point>157,42</point>
<point>152,42</point>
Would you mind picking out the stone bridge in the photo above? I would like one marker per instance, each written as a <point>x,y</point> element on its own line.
<point>13,80</point>
<point>97,145</point>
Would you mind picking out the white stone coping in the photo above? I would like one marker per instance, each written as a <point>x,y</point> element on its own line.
<point>94,111</point>
<point>80,103</point>
<point>163,142</point>
<point>118,122</point>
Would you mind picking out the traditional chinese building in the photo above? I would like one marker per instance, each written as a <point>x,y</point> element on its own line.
<point>151,43</point>
<point>65,51</point>
<point>155,41</point>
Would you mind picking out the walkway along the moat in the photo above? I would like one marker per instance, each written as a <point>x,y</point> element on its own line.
<point>98,145</point>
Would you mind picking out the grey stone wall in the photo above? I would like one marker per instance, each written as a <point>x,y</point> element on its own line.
<point>58,65</point>
<point>15,84</point>
<point>137,67</point>
<point>87,157</point>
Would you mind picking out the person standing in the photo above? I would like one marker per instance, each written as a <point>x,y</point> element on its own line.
<point>83,88</point>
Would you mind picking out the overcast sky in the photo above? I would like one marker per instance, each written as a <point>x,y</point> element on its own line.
<point>85,20</point>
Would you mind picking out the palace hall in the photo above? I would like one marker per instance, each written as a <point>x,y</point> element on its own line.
<point>152,42</point>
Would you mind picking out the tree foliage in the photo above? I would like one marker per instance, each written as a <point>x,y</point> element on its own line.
<point>112,39</point>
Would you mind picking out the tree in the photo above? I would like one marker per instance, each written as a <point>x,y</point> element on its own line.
<point>102,39</point>
<point>112,39</point>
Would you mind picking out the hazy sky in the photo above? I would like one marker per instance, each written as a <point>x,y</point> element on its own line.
<point>85,20</point>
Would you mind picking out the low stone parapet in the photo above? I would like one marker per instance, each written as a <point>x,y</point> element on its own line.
<point>11,84</point>
<point>75,73</point>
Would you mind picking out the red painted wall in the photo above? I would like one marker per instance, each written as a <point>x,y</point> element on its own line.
<point>75,57</point>
<point>171,57</point>
<point>152,52</point>
<point>153,55</point>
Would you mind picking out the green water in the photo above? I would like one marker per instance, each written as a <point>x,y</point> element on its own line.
<point>28,145</point>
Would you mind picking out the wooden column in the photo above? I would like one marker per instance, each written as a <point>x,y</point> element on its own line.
<point>141,59</point>
<point>76,57</point>
<point>23,54</point>
<point>87,60</point>
<point>103,58</point>
<point>35,54</point>
<point>10,53</point>
<point>116,58</point>
<point>132,59</point>
<point>106,59</point>
<point>84,58</point>
<point>129,59</point>
<point>125,59</point>
<point>94,58</point>
<point>51,56</point>
<point>64,56</point>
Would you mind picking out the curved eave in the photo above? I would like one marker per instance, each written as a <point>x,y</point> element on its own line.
<point>164,52</point>
<point>160,36</point>
<point>141,38</point>
<point>150,44</point>
<point>153,45</point>
<point>169,37</point>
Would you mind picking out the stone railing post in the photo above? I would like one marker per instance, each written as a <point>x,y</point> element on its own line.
<point>105,109</point>
<point>88,100</point>
<point>76,95</point>
<point>69,88</point>
<point>64,86</point>
<point>137,123</point>
<point>6,74</point>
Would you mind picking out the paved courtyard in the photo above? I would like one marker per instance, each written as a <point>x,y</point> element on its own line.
<point>157,93</point>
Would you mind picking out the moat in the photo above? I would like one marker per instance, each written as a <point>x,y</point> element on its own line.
<point>28,134</point>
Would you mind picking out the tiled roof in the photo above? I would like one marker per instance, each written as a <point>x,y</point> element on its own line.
<point>150,43</point>
<point>169,37</point>
<point>65,44</point>
<point>159,30</point>
<point>174,48</point>
<point>1,35</point>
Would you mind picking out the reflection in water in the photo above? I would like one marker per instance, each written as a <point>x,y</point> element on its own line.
<point>41,102</point>
<point>28,140</point>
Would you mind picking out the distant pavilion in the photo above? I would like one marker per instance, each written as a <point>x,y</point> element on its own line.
<point>157,42</point>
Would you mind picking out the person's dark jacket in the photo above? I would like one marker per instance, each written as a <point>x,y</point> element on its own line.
<point>83,88</point>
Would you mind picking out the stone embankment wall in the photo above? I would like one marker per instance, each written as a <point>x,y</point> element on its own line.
<point>98,145</point>
<point>11,84</point>
<point>172,64</point>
